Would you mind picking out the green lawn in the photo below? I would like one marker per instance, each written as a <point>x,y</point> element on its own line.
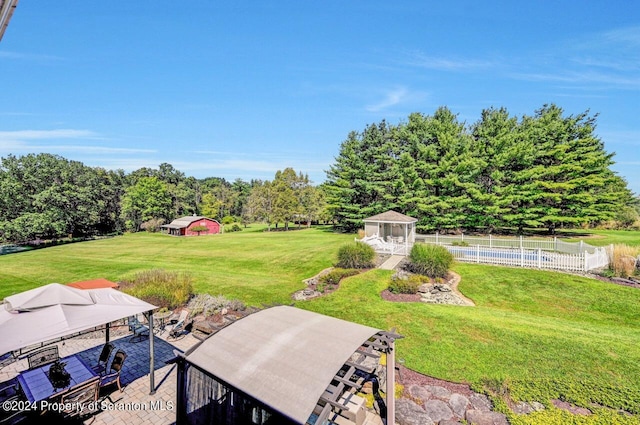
<point>539,335</point>
<point>606,237</point>
<point>255,266</point>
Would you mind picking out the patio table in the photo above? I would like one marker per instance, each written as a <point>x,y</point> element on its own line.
<point>36,385</point>
<point>160,318</point>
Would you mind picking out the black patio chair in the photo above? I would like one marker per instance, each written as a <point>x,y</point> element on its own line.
<point>10,393</point>
<point>82,395</point>
<point>43,357</point>
<point>113,377</point>
<point>101,367</point>
<point>140,331</point>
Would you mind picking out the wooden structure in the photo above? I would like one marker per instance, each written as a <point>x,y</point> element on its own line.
<point>284,365</point>
<point>390,232</point>
<point>184,226</point>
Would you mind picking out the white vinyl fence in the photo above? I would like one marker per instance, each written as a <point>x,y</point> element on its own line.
<point>522,252</point>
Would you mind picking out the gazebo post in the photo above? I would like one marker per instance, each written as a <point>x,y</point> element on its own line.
<point>106,332</point>
<point>391,381</point>
<point>152,384</point>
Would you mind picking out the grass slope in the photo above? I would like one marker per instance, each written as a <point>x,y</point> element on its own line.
<point>538,335</point>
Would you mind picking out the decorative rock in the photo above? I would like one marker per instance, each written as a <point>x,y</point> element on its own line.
<point>538,407</point>
<point>419,392</point>
<point>438,410</point>
<point>409,413</point>
<point>522,408</point>
<point>424,288</point>
<point>459,404</point>
<point>438,391</point>
<point>477,417</point>
<point>571,408</point>
<point>480,402</point>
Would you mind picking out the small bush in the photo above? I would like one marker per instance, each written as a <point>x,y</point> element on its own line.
<point>336,275</point>
<point>235,228</point>
<point>161,288</point>
<point>404,286</point>
<point>355,255</point>
<point>228,219</point>
<point>430,260</point>
<point>624,260</point>
<point>152,225</point>
<point>459,243</point>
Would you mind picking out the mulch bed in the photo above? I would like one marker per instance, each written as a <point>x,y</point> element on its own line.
<point>401,298</point>
<point>408,377</point>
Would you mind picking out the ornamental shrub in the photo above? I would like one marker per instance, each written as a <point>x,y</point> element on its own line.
<point>160,287</point>
<point>404,286</point>
<point>336,275</point>
<point>430,260</point>
<point>356,255</point>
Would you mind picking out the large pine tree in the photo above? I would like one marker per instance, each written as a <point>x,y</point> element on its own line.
<point>545,170</point>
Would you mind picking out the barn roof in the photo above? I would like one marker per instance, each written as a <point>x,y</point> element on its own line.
<point>182,222</point>
<point>283,356</point>
<point>391,217</point>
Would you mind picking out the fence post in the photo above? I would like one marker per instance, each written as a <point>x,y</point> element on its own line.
<point>555,243</point>
<point>436,238</point>
<point>584,255</point>
<point>462,237</point>
<point>478,253</point>
<point>490,242</point>
<point>521,255</point>
<point>581,246</point>
<point>539,258</point>
<point>520,241</point>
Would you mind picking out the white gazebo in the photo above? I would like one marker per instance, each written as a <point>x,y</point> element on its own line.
<point>391,232</point>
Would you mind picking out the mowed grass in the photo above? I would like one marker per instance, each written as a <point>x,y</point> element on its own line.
<point>604,237</point>
<point>539,335</point>
<point>254,266</point>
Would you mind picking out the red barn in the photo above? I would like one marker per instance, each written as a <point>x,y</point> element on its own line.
<point>184,226</point>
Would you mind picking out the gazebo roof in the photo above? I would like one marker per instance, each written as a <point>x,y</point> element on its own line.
<point>391,217</point>
<point>54,311</point>
<point>284,357</point>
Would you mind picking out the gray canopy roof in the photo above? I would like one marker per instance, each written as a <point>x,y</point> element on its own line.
<point>284,357</point>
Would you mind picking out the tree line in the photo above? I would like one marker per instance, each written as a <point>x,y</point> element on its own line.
<point>546,170</point>
<point>45,196</point>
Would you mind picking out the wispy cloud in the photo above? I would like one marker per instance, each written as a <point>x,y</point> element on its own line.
<point>422,60</point>
<point>23,141</point>
<point>604,60</point>
<point>394,97</point>
<point>28,56</point>
<point>46,134</point>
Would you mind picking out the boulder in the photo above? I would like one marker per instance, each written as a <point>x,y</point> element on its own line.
<point>480,402</point>
<point>459,404</point>
<point>424,288</point>
<point>438,391</point>
<point>419,392</point>
<point>477,417</point>
<point>438,410</point>
<point>409,413</point>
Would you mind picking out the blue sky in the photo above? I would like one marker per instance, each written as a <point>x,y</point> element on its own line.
<point>242,89</point>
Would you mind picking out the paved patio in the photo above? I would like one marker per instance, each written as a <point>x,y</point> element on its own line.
<point>133,406</point>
